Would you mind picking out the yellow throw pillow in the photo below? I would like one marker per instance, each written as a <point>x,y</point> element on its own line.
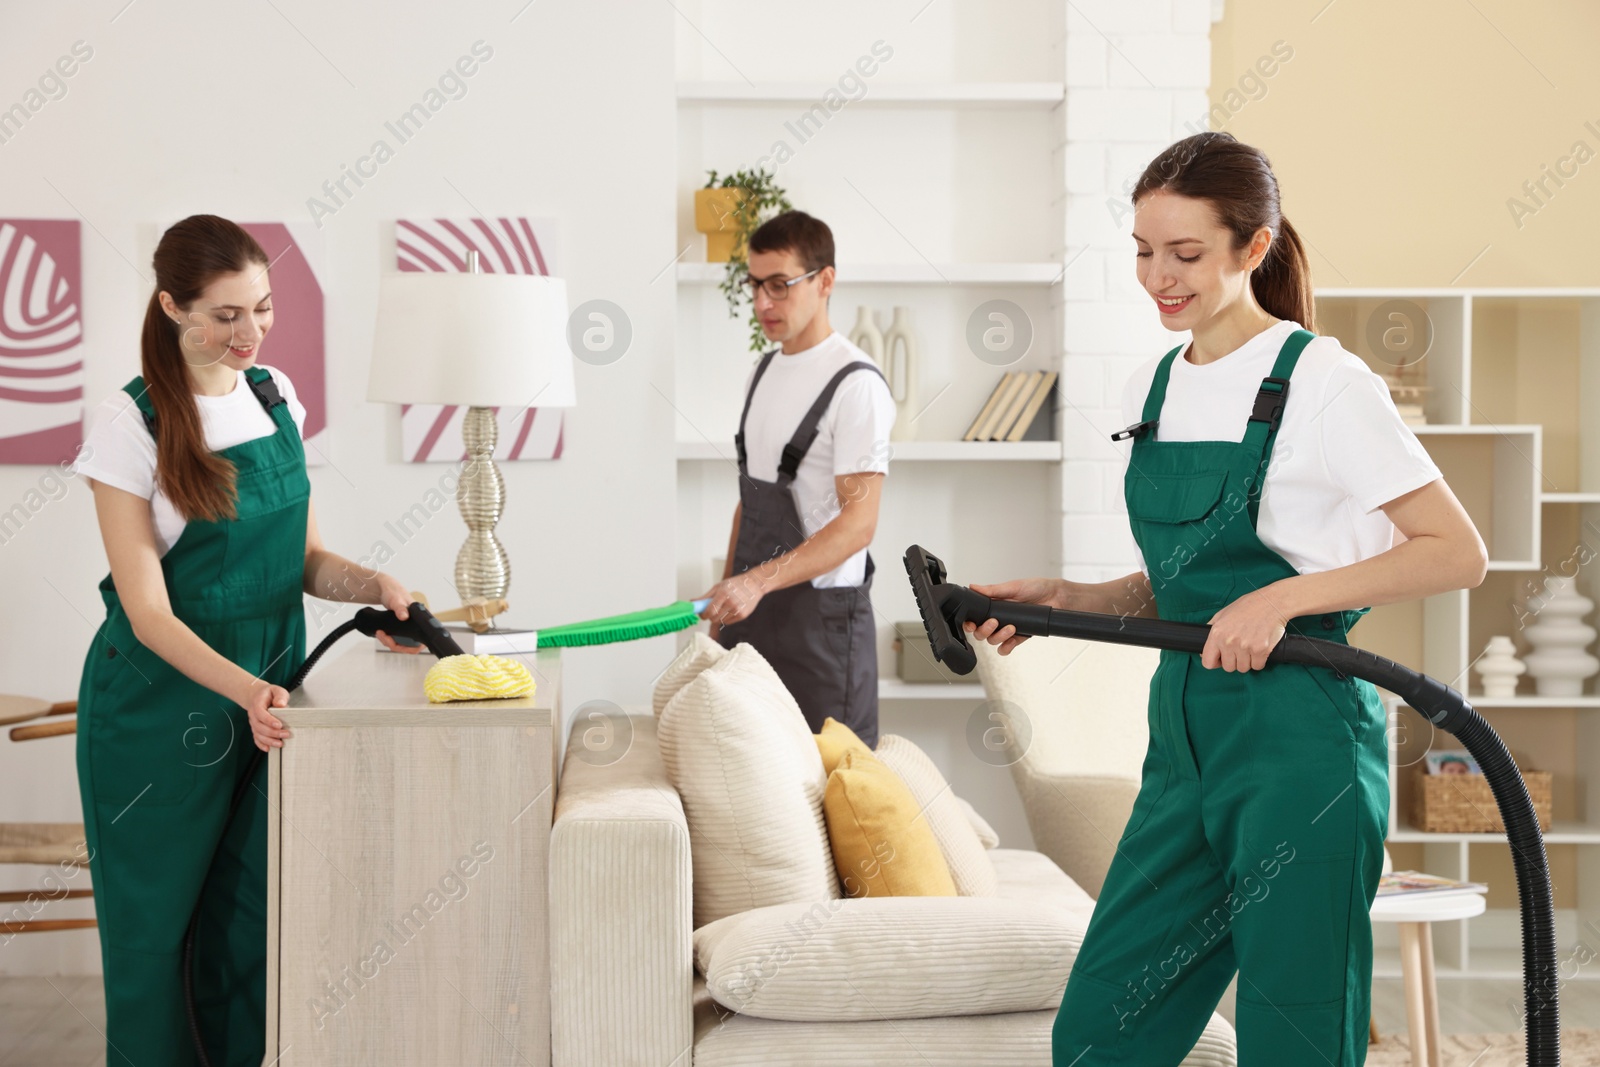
<point>835,740</point>
<point>882,844</point>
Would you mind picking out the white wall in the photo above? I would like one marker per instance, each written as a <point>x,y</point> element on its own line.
<point>1137,76</point>
<point>195,107</point>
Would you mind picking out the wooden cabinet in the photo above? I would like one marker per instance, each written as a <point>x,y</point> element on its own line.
<point>408,877</point>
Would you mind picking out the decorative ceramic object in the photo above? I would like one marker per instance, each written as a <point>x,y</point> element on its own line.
<point>1499,668</point>
<point>866,336</point>
<point>900,369</point>
<point>716,214</point>
<point>1558,663</point>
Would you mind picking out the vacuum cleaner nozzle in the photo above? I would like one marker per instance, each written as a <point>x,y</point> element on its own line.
<point>944,609</point>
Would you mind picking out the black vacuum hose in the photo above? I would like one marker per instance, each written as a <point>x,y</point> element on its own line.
<point>419,625</point>
<point>945,608</point>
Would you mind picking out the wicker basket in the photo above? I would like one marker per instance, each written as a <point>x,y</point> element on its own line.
<point>1463,803</point>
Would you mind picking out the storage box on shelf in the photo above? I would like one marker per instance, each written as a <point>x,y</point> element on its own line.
<point>1512,399</point>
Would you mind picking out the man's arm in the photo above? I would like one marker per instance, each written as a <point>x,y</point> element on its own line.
<point>735,597</point>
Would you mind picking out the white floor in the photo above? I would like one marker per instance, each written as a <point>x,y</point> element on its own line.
<point>55,1022</point>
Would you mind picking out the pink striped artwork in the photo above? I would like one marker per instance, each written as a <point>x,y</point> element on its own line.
<point>296,344</point>
<point>41,340</point>
<point>431,432</point>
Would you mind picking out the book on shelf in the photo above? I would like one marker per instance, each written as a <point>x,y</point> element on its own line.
<point>1030,382</point>
<point>1007,392</point>
<point>1415,883</point>
<point>988,407</point>
<point>1013,408</point>
<point>494,642</point>
<point>1030,410</point>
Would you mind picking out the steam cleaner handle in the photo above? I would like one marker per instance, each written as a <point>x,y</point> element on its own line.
<point>419,624</point>
<point>1439,702</point>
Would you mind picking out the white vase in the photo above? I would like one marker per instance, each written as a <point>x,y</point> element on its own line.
<point>1499,668</point>
<point>900,370</point>
<point>1558,663</point>
<point>866,336</point>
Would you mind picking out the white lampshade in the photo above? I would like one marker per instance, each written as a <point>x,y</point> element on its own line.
<point>476,340</point>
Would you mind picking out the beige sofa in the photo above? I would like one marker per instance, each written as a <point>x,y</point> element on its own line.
<point>625,987</point>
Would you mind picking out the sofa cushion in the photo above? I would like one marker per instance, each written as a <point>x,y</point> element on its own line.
<point>1032,877</point>
<point>888,958</point>
<point>744,762</point>
<point>835,740</point>
<point>980,825</point>
<point>699,653</point>
<point>882,846</point>
<point>964,854</point>
<point>1006,1039</point>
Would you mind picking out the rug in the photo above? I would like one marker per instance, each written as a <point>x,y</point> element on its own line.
<point>1580,1047</point>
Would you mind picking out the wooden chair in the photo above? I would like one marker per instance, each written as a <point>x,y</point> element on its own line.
<point>48,843</point>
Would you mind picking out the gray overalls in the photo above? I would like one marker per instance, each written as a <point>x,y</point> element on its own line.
<point>822,642</point>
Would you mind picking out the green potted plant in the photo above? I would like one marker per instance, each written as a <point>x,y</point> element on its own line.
<point>728,210</point>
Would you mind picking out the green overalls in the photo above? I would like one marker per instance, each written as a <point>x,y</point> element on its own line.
<point>159,757</point>
<point>1256,839</point>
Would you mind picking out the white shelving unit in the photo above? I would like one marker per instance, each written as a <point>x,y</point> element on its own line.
<point>988,123</point>
<point>1513,412</point>
<point>942,95</point>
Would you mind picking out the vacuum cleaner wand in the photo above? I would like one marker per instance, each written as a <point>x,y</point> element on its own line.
<point>946,608</point>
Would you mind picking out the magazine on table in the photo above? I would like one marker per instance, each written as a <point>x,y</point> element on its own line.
<point>1415,883</point>
<point>1451,761</point>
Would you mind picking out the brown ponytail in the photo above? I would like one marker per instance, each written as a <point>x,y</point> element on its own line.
<point>1238,181</point>
<point>191,254</point>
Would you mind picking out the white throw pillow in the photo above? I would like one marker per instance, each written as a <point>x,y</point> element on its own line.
<point>700,653</point>
<point>980,825</point>
<point>738,750</point>
<point>963,852</point>
<point>864,958</point>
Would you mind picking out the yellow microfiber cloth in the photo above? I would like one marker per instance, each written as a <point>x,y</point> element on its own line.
<point>476,678</point>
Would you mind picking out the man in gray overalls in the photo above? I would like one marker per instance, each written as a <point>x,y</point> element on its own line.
<point>817,414</point>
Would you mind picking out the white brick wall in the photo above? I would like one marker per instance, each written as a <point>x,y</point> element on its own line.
<point>1137,78</point>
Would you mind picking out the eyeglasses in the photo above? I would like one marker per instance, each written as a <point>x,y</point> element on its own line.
<point>775,288</point>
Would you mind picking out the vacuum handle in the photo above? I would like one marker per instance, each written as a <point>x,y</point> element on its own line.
<point>1442,705</point>
<point>419,625</point>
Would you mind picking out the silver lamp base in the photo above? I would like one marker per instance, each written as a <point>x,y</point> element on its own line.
<point>482,568</point>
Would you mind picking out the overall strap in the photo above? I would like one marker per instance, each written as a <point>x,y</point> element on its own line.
<point>761,368</point>
<point>1262,428</point>
<point>1158,387</point>
<point>806,432</point>
<point>258,378</point>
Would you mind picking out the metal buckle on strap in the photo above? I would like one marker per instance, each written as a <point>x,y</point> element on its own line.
<point>1269,403</point>
<point>1135,430</point>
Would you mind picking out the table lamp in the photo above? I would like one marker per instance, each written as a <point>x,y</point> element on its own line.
<point>478,341</point>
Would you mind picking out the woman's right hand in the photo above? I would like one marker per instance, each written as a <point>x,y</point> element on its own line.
<point>1051,591</point>
<point>267,729</point>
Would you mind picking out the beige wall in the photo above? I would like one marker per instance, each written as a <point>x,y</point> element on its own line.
<point>1399,132</point>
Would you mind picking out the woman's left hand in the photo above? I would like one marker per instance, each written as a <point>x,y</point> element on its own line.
<point>1244,633</point>
<point>397,598</point>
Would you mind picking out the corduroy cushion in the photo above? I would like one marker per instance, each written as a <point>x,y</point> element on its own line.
<point>835,740</point>
<point>980,825</point>
<point>888,958</point>
<point>964,853</point>
<point>882,846</point>
<point>700,653</point>
<point>738,751</point>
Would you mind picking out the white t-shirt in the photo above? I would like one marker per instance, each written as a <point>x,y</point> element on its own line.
<point>1342,450</point>
<point>121,453</point>
<point>852,437</point>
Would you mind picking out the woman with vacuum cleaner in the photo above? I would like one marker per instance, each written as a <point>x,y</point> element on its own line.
<point>1271,487</point>
<point>204,505</point>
